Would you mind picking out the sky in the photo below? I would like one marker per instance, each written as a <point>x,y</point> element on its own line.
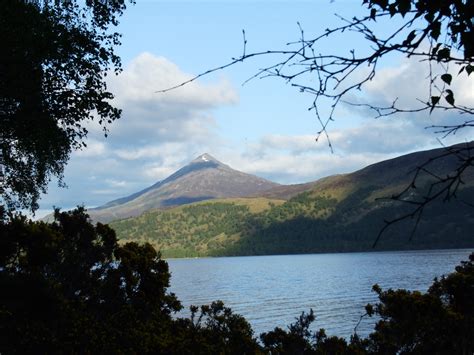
<point>262,126</point>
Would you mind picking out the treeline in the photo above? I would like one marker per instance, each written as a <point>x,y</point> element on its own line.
<point>216,227</point>
<point>69,287</point>
<point>354,224</point>
<point>196,230</point>
<point>308,223</point>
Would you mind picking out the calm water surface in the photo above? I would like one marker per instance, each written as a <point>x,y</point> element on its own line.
<point>271,291</point>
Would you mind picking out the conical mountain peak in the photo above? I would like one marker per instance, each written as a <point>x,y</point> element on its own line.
<point>206,158</point>
<point>203,178</point>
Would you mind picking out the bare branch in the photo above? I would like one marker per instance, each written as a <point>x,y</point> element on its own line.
<point>448,30</point>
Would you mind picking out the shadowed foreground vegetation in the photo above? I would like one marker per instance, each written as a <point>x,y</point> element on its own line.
<point>69,287</point>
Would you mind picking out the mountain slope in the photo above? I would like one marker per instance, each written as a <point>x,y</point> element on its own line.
<point>203,178</point>
<point>338,213</point>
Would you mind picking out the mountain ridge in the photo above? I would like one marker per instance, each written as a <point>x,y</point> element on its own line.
<point>203,178</point>
<point>206,158</point>
<point>337,213</point>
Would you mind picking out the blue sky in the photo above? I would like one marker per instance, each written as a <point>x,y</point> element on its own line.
<point>263,127</point>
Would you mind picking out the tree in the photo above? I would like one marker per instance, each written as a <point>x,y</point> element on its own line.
<point>213,329</point>
<point>437,33</point>
<point>440,321</point>
<point>69,287</point>
<point>54,60</point>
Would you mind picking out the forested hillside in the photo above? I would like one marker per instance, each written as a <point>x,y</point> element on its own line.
<point>337,214</point>
<point>307,223</point>
<point>200,229</point>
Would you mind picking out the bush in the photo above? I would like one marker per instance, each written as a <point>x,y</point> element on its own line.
<point>69,287</point>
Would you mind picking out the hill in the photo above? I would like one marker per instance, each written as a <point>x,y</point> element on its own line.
<point>337,213</point>
<point>202,179</point>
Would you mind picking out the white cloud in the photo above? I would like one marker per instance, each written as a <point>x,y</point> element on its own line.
<point>288,168</point>
<point>409,84</point>
<point>147,74</point>
<point>159,133</point>
<point>94,148</point>
<point>160,172</point>
<point>149,116</point>
<point>116,183</point>
<point>299,158</point>
<point>103,191</point>
<point>291,143</point>
<point>156,134</point>
<point>381,136</point>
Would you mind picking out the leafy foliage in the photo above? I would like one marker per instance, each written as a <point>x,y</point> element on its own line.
<point>194,230</point>
<point>54,60</point>
<point>217,329</point>
<point>68,287</point>
<point>438,322</point>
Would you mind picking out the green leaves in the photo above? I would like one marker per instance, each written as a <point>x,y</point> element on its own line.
<point>443,54</point>
<point>434,102</point>
<point>369,309</point>
<point>448,93</point>
<point>75,288</point>
<point>435,30</point>
<point>401,7</point>
<point>437,322</point>
<point>381,3</point>
<point>411,36</point>
<point>469,69</point>
<point>373,13</point>
<point>447,78</point>
<point>52,81</point>
<point>404,6</point>
<point>449,97</point>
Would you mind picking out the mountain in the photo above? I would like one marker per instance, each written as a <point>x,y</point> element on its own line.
<point>204,178</point>
<point>334,214</point>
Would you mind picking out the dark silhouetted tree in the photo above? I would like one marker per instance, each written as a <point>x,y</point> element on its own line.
<point>69,287</point>
<point>440,321</point>
<point>54,58</point>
